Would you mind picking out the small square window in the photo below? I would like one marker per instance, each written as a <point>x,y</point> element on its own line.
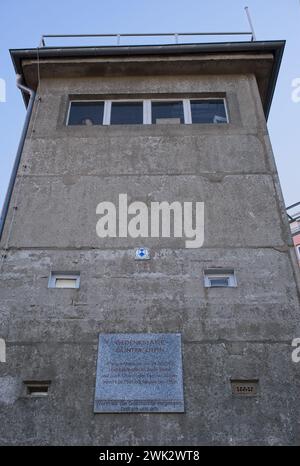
<point>86,113</point>
<point>37,388</point>
<point>167,112</point>
<point>208,111</point>
<point>223,278</point>
<point>126,113</point>
<point>64,280</point>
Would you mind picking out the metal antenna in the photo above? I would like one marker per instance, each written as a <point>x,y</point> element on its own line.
<point>250,23</point>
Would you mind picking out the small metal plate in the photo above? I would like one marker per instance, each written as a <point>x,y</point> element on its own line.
<point>244,387</point>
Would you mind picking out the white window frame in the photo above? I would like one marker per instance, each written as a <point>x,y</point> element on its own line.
<point>219,274</point>
<point>64,276</point>
<point>147,109</point>
<point>106,113</point>
<point>147,115</point>
<point>187,111</point>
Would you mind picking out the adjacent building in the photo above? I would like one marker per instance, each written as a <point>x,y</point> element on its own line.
<point>294,218</point>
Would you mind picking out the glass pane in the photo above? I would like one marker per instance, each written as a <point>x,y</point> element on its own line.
<point>65,283</point>
<point>219,281</point>
<point>208,111</point>
<point>167,112</point>
<point>126,113</point>
<point>86,113</point>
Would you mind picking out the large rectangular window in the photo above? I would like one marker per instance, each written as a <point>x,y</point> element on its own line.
<point>86,113</point>
<point>147,112</point>
<point>208,111</point>
<point>167,112</point>
<point>126,113</point>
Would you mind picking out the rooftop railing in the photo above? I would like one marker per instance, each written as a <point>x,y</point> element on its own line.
<point>175,36</point>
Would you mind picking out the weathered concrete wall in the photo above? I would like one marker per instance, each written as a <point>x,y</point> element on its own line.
<point>242,332</point>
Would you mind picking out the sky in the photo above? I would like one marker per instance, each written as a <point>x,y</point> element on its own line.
<point>23,22</point>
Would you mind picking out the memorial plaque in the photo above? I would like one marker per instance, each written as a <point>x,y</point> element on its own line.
<point>139,373</point>
<point>244,387</point>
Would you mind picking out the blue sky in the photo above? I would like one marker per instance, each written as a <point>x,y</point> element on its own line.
<point>23,22</point>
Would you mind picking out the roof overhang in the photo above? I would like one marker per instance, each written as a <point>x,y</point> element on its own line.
<point>262,59</point>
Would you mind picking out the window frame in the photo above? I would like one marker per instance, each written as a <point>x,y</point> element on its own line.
<point>212,273</point>
<point>214,278</point>
<point>147,110</point>
<point>64,276</point>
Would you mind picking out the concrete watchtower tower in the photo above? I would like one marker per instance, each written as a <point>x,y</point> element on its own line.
<point>171,123</point>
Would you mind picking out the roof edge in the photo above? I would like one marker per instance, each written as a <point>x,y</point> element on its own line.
<point>274,47</point>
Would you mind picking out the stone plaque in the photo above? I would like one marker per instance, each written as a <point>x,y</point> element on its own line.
<point>139,373</point>
<point>244,387</point>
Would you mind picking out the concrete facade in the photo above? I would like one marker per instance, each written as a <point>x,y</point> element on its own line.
<point>235,333</point>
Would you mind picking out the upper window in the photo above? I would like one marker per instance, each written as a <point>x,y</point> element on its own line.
<point>208,111</point>
<point>147,112</point>
<point>126,113</point>
<point>86,113</point>
<point>167,112</point>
